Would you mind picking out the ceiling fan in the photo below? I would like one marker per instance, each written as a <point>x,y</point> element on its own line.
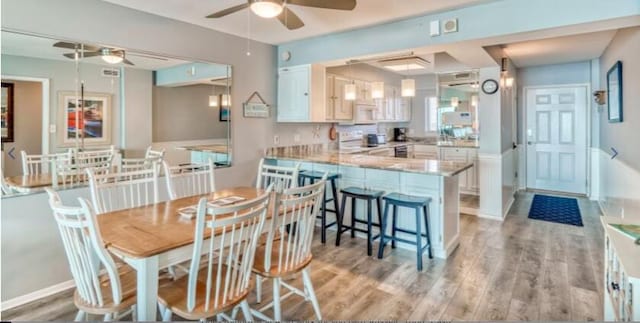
<point>279,9</point>
<point>109,55</point>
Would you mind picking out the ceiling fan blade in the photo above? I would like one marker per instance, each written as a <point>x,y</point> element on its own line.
<point>128,62</point>
<point>67,45</point>
<point>228,11</point>
<point>326,4</point>
<point>290,19</point>
<point>81,55</point>
<point>89,54</point>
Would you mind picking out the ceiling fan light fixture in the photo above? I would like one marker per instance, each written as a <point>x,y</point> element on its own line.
<point>266,8</point>
<point>112,57</point>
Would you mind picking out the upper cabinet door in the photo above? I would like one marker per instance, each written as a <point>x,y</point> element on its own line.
<point>294,94</point>
<point>342,109</point>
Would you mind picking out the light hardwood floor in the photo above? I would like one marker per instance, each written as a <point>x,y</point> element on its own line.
<point>519,269</point>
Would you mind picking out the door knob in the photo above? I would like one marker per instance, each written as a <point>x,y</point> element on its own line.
<point>529,143</point>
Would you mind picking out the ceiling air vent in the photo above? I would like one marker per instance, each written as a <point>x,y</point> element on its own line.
<point>462,76</point>
<point>110,72</point>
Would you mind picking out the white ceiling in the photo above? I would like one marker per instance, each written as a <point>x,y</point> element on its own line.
<point>40,47</point>
<point>317,21</point>
<point>559,49</point>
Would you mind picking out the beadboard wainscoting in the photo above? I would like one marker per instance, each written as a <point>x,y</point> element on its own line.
<point>30,238</point>
<point>619,187</point>
<point>497,184</point>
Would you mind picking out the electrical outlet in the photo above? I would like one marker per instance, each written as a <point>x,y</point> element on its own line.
<point>276,140</point>
<point>52,128</point>
<point>296,138</point>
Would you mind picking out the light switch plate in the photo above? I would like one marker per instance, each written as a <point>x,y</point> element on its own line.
<point>434,28</point>
<point>52,128</point>
<point>276,140</point>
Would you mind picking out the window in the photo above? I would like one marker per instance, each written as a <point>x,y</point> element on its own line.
<point>431,114</point>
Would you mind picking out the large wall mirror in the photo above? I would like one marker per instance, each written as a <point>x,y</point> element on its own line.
<point>85,96</point>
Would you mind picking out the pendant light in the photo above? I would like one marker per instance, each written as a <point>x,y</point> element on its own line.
<point>455,101</point>
<point>408,88</point>
<point>350,88</point>
<point>226,100</point>
<point>350,92</point>
<point>377,90</point>
<point>213,101</point>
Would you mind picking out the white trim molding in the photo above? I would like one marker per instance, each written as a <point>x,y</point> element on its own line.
<point>594,187</point>
<point>36,295</point>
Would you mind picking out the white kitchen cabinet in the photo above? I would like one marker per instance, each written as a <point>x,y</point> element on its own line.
<point>621,273</point>
<point>301,94</point>
<point>387,152</point>
<point>425,152</point>
<point>338,109</point>
<point>468,179</point>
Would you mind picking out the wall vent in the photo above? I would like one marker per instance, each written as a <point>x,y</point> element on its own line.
<point>110,72</point>
<point>462,76</point>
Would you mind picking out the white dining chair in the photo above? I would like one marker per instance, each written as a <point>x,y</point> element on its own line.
<point>123,190</point>
<point>40,164</point>
<point>93,156</point>
<point>101,287</point>
<point>6,189</point>
<point>288,248</point>
<point>133,164</point>
<point>150,153</point>
<point>190,179</point>
<point>70,172</point>
<point>224,282</point>
<point>282,177</point>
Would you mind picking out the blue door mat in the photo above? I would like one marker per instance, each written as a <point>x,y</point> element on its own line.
<point>555,209</point>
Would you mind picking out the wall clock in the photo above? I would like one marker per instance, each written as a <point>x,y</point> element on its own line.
<point>490,86</point>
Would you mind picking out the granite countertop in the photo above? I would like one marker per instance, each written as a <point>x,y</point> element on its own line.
<point>360,150</point>
<point>219,149</point>
<point>440,143</point>
<point>420,166</point>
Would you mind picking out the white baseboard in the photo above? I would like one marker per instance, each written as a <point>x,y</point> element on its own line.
<point>469,210</point>
<point>490,217</point>
<point>509,205</point>
<point>33,296</point>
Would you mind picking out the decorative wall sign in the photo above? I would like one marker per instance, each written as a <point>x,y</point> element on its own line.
<point>93,119</point>
<point>253,109</point>
<point>614,92</point>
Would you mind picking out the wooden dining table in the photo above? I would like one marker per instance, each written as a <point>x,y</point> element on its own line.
<point>29,183</point>
<point>152,237</point>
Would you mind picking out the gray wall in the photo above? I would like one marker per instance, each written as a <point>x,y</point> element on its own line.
<point>623,136</point>
<point>137,111</point>
<point>557,74</point>
<point>183,113</point>
<point>62,77</point>
<point>27,118</point>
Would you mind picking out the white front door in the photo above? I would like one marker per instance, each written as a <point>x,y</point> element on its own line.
<point>556,136</point>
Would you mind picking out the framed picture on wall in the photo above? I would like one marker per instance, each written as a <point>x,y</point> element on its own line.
<point>225,104</point>
<point>7,112</point>
<point>614,92</point>
<point>91,123</point>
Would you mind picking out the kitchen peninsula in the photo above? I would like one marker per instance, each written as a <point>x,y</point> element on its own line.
<point>434,178</point>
